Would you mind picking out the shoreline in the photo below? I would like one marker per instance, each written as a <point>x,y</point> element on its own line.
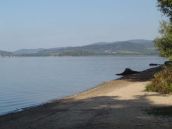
<point>69,96</point>
<point>52,100</point>
<point>103,106</point>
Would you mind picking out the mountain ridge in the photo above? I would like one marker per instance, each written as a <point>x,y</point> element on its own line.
<point>129,47</point>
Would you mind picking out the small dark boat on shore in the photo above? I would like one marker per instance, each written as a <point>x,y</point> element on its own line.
<point>153,64</point>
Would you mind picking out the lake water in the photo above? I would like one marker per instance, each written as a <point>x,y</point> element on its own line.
<point>31,81</point>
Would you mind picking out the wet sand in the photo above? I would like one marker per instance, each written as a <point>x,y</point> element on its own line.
<point>117,104</point>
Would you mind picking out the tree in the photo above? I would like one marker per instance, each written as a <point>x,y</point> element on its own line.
<point>164,42</point>
<point>165,7</point>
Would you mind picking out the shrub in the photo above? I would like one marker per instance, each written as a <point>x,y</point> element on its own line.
<point>162,81</point>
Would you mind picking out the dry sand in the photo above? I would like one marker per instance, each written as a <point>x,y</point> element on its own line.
<point>117,104</point>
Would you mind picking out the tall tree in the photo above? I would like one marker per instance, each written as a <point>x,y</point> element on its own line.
<point>165,7</point>
<point>164,42</point>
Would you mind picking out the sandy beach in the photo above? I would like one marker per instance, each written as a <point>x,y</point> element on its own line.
<point>117,104</point>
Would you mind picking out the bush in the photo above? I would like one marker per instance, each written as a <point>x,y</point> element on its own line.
<point>162,81</point>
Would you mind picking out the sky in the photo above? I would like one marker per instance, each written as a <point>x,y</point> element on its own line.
<point>59,23</point>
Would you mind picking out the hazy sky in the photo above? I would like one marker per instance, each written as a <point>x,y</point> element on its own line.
<point>57,23</point>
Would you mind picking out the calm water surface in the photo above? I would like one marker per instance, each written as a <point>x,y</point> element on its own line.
<point>31,81</point>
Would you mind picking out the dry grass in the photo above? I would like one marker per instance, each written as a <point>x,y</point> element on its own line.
<point>162,81</point>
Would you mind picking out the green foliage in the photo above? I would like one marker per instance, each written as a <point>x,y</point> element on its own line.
<point>165,7</point>
<point>164,42</point>
<point>170,58</point>
<point>162,82</point>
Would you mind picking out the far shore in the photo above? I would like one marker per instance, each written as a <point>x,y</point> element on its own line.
<point>116,104</point>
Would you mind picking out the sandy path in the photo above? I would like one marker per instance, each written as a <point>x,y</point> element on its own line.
<point>118,104</point>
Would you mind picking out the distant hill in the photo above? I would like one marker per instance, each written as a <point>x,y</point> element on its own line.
<point>27,51</point>
<point>5,53</point>
<point>130,47</point>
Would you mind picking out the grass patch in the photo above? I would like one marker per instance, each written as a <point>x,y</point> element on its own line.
<point>162,81</point>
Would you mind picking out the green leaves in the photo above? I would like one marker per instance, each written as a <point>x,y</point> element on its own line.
<point>164,42</point>
<point>162,81</point>
<point>165,7</point>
